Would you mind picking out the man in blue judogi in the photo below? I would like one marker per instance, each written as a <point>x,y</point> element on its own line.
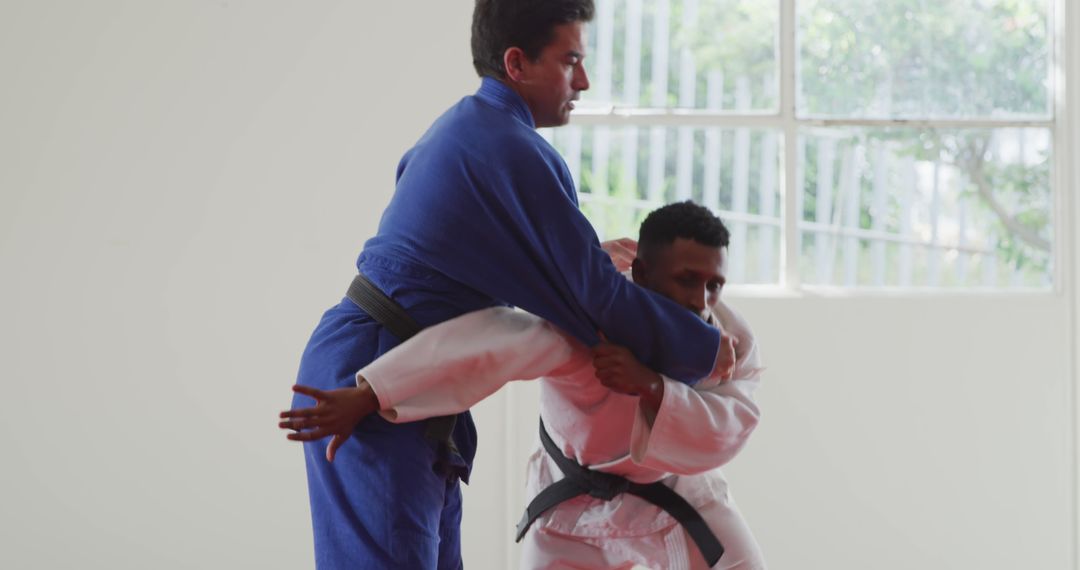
<point>484,213</point>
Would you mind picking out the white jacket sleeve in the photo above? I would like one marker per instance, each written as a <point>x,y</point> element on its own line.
<point>449,367</point>
<point>699,429</point>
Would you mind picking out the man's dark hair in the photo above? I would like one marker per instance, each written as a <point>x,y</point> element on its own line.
<point>681,220</point>
<point>499,25</point>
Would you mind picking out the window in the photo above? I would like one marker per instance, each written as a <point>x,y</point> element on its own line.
<point>920,134</point>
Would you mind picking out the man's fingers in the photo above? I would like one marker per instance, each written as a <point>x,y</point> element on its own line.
<point>728,371</point>
<point>622,248</point>
<point>303,423</point>
<point>610,380</point>
<point>300,413</point>
<point>309,435</point>
<point>622,244</point>
<point>336,442</point>
<point>605,362</point>
<point>606,349</point>
<point>328,420</point>
<point>608,363</point>
<point>620,389</point>
<point>607,373</point>
<point>309,391</point>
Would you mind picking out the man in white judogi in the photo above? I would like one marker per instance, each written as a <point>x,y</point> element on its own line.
<point>602,409</point>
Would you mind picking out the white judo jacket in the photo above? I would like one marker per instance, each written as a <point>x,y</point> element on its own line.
<point>449,367</point>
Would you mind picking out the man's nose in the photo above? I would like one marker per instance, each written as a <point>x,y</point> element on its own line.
<point>697,301</point>
<point>581,79</point>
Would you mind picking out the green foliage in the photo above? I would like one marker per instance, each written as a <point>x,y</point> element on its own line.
<point>897,59</point>
<point>912,58</point>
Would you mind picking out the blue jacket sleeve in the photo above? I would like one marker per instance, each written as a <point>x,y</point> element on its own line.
<point>517,235</point>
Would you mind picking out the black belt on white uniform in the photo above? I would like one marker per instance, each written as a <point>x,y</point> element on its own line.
<point>391,315</point>
<point>579,481</point>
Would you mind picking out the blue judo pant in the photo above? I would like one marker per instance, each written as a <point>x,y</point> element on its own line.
<point>380,504</point>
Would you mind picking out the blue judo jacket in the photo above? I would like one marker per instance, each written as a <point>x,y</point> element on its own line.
<point>484,213</point>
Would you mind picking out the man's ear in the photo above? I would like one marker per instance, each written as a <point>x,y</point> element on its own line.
<point>638,270</point>
<point>514,60</point>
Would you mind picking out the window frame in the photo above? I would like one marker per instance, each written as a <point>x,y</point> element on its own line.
<point>785,121</point>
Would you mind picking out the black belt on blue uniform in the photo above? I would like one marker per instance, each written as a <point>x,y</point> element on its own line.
<point>391,315</point>
<point>579,481</point>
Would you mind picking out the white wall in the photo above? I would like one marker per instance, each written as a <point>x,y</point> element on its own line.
<point>183,189</point>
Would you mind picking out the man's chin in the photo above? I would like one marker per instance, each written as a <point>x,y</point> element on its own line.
<point>556,121</point>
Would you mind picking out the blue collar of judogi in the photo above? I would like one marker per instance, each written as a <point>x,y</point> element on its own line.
<point>499,94</point>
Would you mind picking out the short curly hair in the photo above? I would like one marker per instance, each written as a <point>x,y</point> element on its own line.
<point>681,220</point>
<point>499,25</point>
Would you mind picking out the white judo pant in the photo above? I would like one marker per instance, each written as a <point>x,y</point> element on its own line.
<point>668,549</point>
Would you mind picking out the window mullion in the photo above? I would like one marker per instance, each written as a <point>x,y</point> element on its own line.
<point>789,251</point>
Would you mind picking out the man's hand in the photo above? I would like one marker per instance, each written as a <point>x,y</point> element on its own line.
<point>622,252</point>
<point>725,360</point>
<point>336,413</point>
<point>619,370</point>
